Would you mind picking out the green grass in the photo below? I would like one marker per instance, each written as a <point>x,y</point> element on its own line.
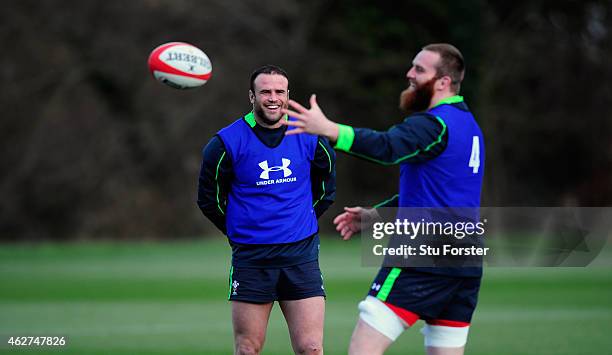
<point>169,298</point>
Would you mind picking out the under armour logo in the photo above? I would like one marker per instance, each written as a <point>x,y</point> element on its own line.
<point>375,286</point>
<point>265,174</point>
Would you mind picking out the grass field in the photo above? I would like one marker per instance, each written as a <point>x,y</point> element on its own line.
<point>169,298</point>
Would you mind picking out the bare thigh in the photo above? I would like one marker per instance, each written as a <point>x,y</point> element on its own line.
<point>250,321</point>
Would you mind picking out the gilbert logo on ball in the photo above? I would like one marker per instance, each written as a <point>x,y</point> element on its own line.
<point>180,65</point>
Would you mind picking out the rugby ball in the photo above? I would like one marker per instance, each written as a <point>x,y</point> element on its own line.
<point>180,65</point>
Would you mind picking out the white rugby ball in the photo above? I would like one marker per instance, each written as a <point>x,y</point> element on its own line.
<point>180,65</point>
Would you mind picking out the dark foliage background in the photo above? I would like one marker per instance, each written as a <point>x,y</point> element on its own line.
<point>92,147</point>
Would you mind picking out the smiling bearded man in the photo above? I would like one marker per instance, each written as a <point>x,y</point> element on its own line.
<point>440,150</point>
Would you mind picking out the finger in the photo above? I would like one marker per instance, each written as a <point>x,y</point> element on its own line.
<point>343,234</point>
<point>293,114</point>
<point>291,132</point>
<point>345,230</point>
<point>340,217</point>
<point>347,236</point>
<point>313,101</point>
<point>296,106</point>
<point>341,226</point>
<point>352,209</point>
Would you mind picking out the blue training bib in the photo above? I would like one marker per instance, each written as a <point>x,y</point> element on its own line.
<point>270,200</point>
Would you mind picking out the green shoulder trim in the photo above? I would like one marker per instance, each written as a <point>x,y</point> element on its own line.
<point>450,100</point>
<point>250,119</point>
<point>385,201</point>
<point>217,181</point>
<point>346,136</point>
<point>411,155</point>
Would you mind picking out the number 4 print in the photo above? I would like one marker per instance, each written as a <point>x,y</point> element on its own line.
<point>475,156</point>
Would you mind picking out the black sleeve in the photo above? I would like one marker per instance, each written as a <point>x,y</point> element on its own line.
<point>418,138</point>
<point>323,177</point>
<point>216,175</point>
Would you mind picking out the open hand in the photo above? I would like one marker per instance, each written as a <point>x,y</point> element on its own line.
<point>351,221</point>
<point>311,120</point>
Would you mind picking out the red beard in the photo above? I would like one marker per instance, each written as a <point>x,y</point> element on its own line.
<point>418,99</point>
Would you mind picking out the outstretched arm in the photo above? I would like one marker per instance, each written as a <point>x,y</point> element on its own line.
<point>419,137</point>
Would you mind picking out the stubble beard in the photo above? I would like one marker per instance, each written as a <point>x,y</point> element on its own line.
<point>259,111</point>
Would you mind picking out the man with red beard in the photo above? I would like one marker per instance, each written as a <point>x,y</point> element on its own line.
<point>265,191</point>
<point>440,150</point>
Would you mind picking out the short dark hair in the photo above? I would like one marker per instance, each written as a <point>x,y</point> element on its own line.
<point>451,63</point>
<point>267,69</point>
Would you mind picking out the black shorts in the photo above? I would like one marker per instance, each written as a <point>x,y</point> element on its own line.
<point>265,285</point>
<point>429,297</point>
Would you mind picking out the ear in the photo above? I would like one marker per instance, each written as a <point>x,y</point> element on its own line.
<point>251,97</point>
<point>443,83</point>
